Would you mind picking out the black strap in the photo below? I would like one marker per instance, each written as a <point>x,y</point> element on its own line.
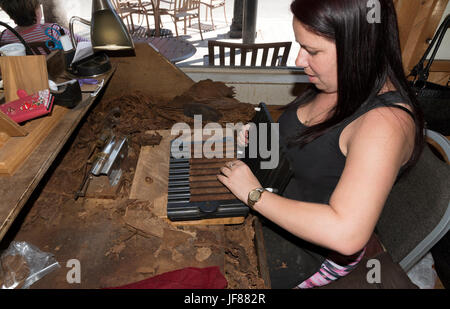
<point>403,108</point>
<point>390,99</point>
<point>418,69</point>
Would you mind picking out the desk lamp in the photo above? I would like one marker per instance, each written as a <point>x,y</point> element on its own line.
<point>108,33</point>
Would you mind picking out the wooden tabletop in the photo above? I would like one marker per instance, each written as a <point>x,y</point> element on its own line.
<point>174,49</point>
<point>16,189</point>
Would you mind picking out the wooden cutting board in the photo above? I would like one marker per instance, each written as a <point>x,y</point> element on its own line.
<point>23,72</point>
<point>151,181</point>
<point>17,142</point>
<point>15,151</point>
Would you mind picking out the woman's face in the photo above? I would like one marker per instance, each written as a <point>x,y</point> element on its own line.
<point>38,14</point>
<point>318,57</point>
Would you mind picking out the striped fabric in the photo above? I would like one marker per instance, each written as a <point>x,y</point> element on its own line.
<point>35,33</point>
<point>329,272</point>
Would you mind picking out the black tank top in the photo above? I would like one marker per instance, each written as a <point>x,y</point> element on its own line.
<point>318,166</point>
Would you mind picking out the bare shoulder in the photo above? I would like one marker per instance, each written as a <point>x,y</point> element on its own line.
<point>387,127</point>
<point>387,120</point>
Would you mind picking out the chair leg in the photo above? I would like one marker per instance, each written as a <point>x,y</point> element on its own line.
<point>128,23</point>
<point>132,23</point>
<point>148,25</point>
<point>225,14</point>
<point>199,24</point>
<point>212,20</point>
<point>176,28</point>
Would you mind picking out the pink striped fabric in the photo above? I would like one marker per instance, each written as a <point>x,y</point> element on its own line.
<point>329,272</point>
<point>35,33</point>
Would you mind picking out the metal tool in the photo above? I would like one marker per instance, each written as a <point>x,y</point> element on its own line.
<point>107,162</point>
<point>110,159</point>
<point>114,149</point>
<point>54,33</point>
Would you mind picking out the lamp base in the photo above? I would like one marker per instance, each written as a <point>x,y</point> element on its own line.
<point>91,66</point>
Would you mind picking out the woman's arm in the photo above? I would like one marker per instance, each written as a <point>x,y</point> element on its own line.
<point>381,141</point>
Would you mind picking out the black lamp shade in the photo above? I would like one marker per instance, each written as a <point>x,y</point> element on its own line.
<point>108,32</point>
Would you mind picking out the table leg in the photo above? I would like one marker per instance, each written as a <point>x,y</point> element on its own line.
<point>157,17</point>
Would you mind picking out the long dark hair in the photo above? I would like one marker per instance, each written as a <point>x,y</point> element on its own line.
<point>23,12</point>
<point>368,54</point>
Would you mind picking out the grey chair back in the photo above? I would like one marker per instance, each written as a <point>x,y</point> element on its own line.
<point>417,213</point>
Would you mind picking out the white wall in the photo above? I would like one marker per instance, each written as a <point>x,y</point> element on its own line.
<point>444,49</point>
<point>68,8</point>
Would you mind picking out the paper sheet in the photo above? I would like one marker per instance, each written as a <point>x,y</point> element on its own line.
<point>84,50</point>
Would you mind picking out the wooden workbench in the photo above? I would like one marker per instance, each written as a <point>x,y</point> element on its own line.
<point>16,189</point>
<point>121,240</point>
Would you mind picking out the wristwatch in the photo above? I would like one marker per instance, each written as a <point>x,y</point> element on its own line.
<point>254,196</point>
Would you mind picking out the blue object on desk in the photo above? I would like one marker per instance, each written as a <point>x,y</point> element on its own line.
<point>53,32</point>
<point>88,81</point>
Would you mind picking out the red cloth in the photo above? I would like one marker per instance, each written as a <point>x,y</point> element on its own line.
<point>186,278</point>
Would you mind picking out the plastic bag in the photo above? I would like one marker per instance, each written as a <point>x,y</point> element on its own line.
<point>22,264</point>
<point>423,274</point>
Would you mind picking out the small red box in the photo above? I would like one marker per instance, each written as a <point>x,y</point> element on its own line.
<point>29,106</point>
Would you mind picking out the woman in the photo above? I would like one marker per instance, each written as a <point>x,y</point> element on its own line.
<point>27,15</point>
<point>347,138</point>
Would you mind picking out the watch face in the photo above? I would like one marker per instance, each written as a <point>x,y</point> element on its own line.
<point>254,195</point>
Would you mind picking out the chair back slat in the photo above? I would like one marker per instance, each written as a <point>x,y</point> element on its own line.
<point>275,56</point>
<point>211,54</point>
<point>186,5</point>
<point>279,57</point>
<point>222,55</point>
<point>254,56</point>
<point>243,56</point>
<point>232,56</point>
<point>284,59</point>
<point>264,56</point>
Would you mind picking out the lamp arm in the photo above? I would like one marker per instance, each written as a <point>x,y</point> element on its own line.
<point>72,20</point>
<point>27,47</point>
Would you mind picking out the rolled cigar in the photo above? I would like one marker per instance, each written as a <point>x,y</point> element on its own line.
<point>212,197</point>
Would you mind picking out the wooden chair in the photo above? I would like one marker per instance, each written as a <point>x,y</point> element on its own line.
<point>183,10</point>
<point>416,214</point>
<point>126,9</point>
<point>38,48</point>
<point>168,2</point>
<point>276,58</point>
<point>214,4</point>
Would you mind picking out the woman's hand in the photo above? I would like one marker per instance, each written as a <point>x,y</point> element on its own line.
<point>238,177</point>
